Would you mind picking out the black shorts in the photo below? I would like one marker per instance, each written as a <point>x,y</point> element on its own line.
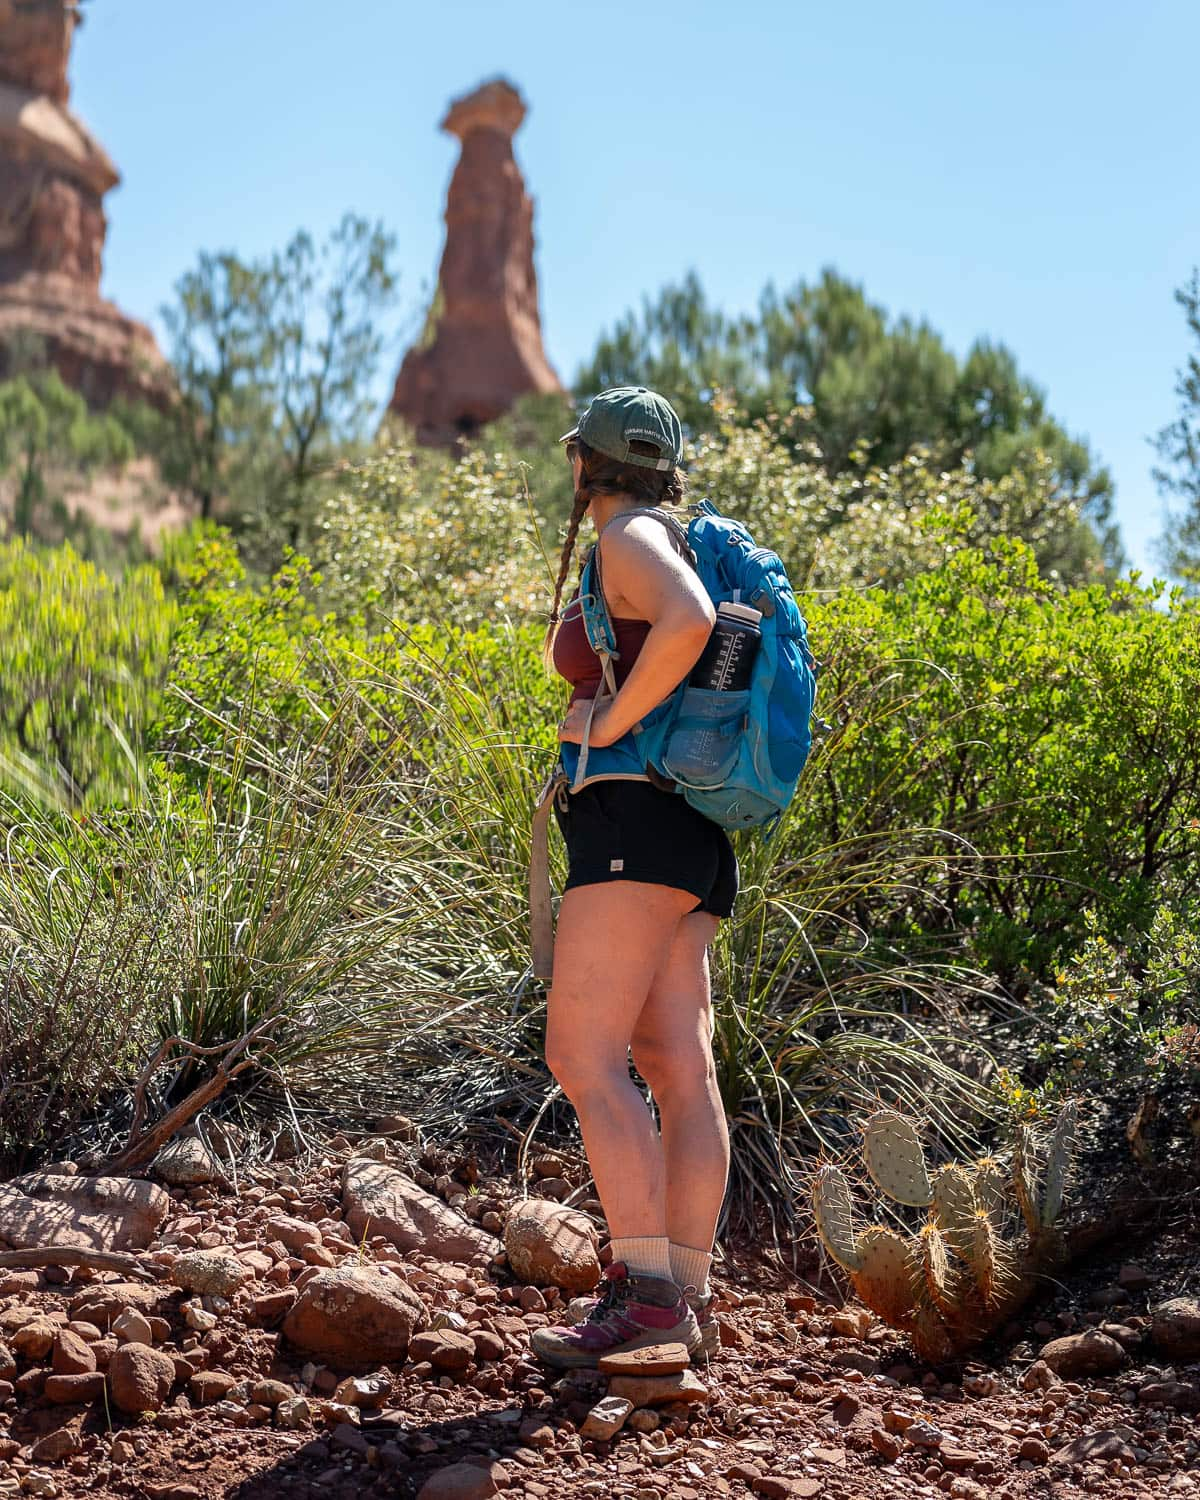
<point>630,830</point>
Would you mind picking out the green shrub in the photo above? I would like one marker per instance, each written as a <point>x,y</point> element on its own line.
<point>84,659</point>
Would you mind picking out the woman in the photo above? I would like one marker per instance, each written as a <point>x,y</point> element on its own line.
<point>649,878</point>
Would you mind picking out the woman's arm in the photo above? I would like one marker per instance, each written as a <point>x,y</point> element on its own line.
<point>642,569</point>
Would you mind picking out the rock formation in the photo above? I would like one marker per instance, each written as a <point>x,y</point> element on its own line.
<point>482,347</point>
<point>53,178</point>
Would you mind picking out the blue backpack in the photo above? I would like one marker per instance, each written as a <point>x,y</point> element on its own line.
<point>766,729</point>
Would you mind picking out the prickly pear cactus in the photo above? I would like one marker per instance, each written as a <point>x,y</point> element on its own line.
<point>957,1277</point>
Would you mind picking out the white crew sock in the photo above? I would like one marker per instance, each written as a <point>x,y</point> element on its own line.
<point>690,1267</point>
<point>645,1255</point>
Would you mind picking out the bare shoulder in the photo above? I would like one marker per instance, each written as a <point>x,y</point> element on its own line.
<point>638,538</point>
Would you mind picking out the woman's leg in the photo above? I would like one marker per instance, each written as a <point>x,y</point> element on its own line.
<point>672,1049</point>
<point>612,939</point>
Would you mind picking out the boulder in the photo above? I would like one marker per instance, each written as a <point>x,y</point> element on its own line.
<point>1083,1354</point>
<point>353,1318</point>
<point>86,1213</point>
<point>379,1199</point>
<point>292,1234</point>
<point>1175,1329</point>
<point>186,1162</point>
<point>140,1378</point>
<point>549,1245</point>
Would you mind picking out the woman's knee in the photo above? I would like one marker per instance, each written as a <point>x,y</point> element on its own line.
<point>674,1068</point>
<point>578,1065</point>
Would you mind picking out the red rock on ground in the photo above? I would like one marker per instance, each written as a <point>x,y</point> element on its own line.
<point>354,1319</point>
<point>91,1213</point>
<point>482,347</point>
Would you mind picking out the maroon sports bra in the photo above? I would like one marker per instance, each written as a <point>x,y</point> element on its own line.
<point>575,660</point>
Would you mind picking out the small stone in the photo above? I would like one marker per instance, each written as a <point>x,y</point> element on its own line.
<point>896,1419</point>
<point>606,1418</point>
<point>72,1356</point>
<point>186,1163</point>
<point>1084,1354</point>
<point>886,1444</point>
<point>34,1340</point>
<point>74,1390</point>
<point>1172,1393</point>
<point>463,1482</point>
<point>659,1390</point>
<point>208,1386</point>
<point>1033,1449</point>
<point>1134,1278</point>
<point>1089,1447</point>
<point>655,1359</point>
<point>198,1318</point>
<point>56,1446</point>
<point>293,1412</point>
<point>1175,1329</point>
<point>132,1328</point>
<point>444,1349</point>
<point>923,1434</point>
<point>644,1420</point>
<point>850,1324</point>
<point>141,1378</point>
<point>1039,1377</point>
<point>210,1273</point>
<point>782,1487</point>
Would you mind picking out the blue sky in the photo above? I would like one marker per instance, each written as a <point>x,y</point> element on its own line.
<point>1026,172</point>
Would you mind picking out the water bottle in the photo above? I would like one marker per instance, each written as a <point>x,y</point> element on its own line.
<point>703,744</point>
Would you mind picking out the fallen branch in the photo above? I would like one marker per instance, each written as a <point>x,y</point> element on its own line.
<point>70,1255</point>
<point>140,1149</point>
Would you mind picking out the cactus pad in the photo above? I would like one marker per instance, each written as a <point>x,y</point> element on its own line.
<point>892,1150</point>
<point>954,1206</point>
<point>990,1185</point>
<point>833,1209</point>
<point>936,1268</point>
<point>888,1279</point>
<point>1058,1163</point>
<point>1025,1182</point>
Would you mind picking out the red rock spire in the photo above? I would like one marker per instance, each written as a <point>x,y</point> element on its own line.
<point>53,178</point>
<point>482,346</point>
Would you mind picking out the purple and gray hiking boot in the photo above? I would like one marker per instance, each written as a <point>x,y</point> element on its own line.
<point>632,1312</point>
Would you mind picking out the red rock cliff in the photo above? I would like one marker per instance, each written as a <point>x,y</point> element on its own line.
<point>482,347</point>
<point>53,178</point>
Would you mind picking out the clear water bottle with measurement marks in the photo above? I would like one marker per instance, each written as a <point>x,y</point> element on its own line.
<point>703,744</point>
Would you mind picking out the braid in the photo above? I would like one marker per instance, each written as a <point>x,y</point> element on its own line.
<point>578,510</point>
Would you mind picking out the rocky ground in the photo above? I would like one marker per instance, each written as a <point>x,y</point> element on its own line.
<point>358,1326</point>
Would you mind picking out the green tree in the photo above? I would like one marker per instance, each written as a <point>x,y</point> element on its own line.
<point>321,345</point>
<point>1178,446</point>
<point>47,432</point>
<point>862,391</point>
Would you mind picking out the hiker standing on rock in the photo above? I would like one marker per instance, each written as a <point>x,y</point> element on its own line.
<point>649,879</point>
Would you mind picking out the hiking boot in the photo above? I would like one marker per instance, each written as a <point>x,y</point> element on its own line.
<point>706,1322</point>
<point>632,1312</point>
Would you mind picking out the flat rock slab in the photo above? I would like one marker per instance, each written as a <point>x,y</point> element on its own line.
<point>378,1199</point>
<point>659,1390</point>
<point>658,1359</point>
<point>85,1213</point>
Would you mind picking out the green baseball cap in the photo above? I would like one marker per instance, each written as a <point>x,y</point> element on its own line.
<point>631,414</point>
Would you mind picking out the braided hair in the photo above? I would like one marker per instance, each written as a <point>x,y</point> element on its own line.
<point>602,475</point>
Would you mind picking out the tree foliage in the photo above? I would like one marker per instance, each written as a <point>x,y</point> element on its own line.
<point>48,434</point>
<point>857,390</point>
<point>272,359</point>
<point>1178,446</point>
